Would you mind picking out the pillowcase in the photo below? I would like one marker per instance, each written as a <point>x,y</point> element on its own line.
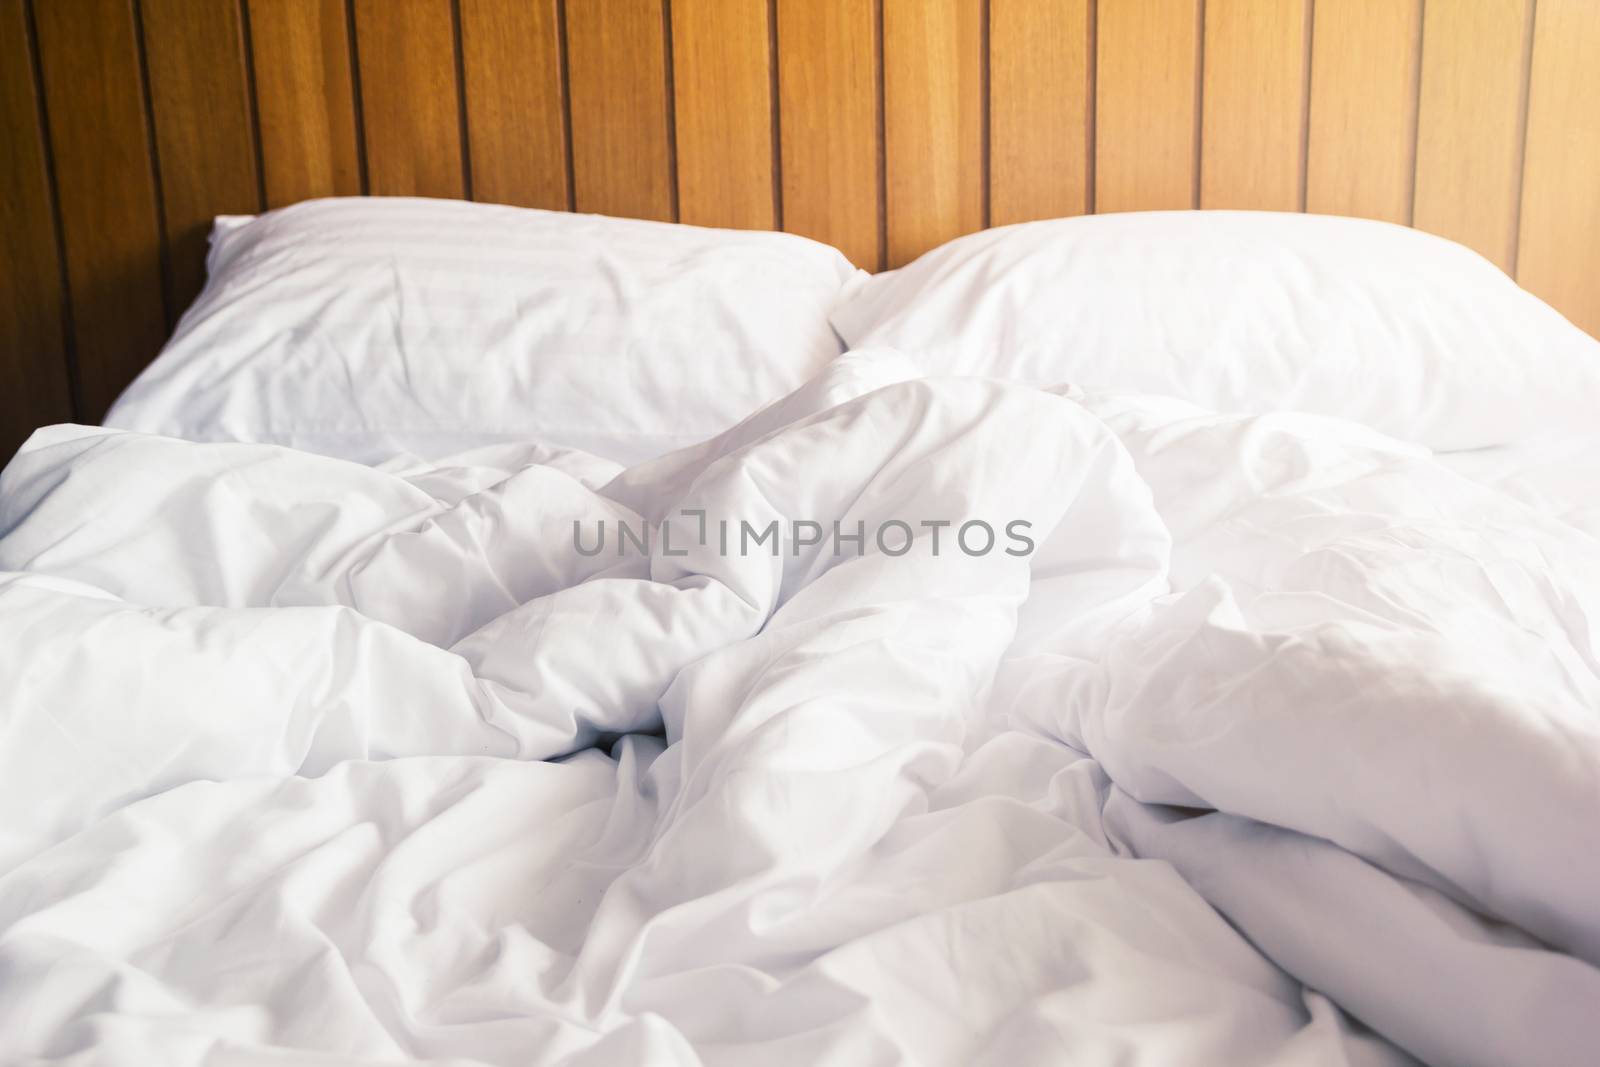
<point>370,327</point>
<point>1409,333</point>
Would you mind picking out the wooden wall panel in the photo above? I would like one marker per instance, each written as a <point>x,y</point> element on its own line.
<point>884,127</point>
<point>933,121</point>
<point>621,113</point>
<point>1147,105</point>
<point>411,112</point>
<point>1253,107</point>
<point>34,386</point>
<point>722,93</point>
<point>1361,151</point>
<point>829,137</point>
<point>1039,109</point>
<point>1469,123</point>
<point>1558,256</point>
<point>305,99</point>
<point>105,190</point>
<point>511,60</point>
<point>205,139</point>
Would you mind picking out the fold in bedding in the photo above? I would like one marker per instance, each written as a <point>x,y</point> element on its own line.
<point>1279,747</point>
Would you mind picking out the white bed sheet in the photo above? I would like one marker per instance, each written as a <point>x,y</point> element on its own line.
<point>1281,748</point>
<point>1558,474</point>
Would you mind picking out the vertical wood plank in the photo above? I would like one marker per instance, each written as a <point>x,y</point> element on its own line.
<point>621,143</point>
<point>1039,95</point>
<point>1360,159</point>
<point>1147,128</point>
<point>933,67</point>
<point>34,384</point>
<point>1559,253</point>
<point>205,143</point>
<point>1469,123</point>
<point>1252,146</point>
<point>411,113</point>
<point>305,99</point>
<point>512,68</point>
<point>722,93</point>
<point>828,124</point>
<point>105,189</point>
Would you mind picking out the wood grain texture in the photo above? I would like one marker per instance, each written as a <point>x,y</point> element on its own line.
<point>722,93</point>
<point>411,112</point>
<point>105,190</point>
<point>1362,140</point>
<point>1469,123</point>
<point>1559,253</point>
<point>933,121</point>
<point>1039,109</point>
<point>205,142</point>
<point>828,125</point>
<point>34,386</point>
<point>1253,104</point>
<point>512,66</point>
<point>621,144</point>
<point>883,127</point>
<point>1147,126</point>
<point>305,99</point>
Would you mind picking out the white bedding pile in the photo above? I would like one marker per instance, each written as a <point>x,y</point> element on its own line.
<point>1282,747</point>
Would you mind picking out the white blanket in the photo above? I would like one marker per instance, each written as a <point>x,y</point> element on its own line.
<point>1281,746</point>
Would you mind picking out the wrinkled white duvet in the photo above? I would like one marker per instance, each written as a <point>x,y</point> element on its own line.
<point>1281,747</point>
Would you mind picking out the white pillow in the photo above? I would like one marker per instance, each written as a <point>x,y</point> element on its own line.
<point>369,327</point>
<point>1245,311</point>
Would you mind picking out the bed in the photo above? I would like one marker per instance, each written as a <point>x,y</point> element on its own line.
<point>491,633</point>
<point>364,705</point>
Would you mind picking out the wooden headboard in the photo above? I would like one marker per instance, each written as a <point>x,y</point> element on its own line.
<point>881,126</point>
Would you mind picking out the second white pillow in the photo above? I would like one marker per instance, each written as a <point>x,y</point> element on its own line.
<point>1246,311</point>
